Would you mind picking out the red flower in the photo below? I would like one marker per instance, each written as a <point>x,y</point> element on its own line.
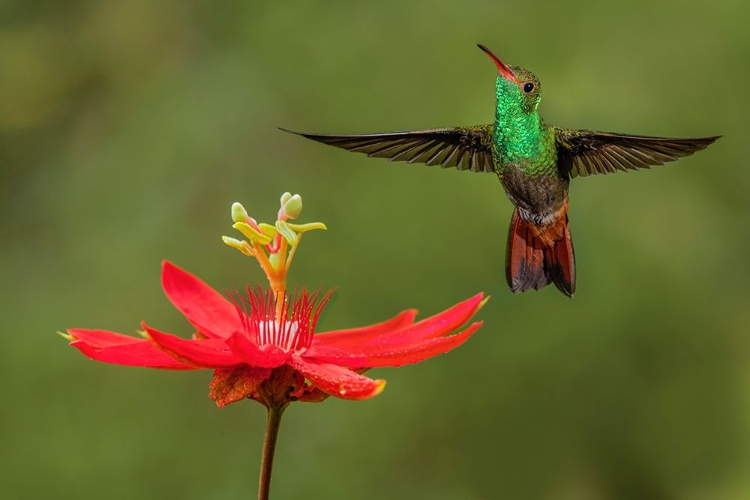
<point>263,345</point>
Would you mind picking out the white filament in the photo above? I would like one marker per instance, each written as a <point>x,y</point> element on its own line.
<point>283,335</point>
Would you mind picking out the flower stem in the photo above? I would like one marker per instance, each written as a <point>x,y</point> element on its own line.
<point>265,264</point>
<point>292,252</point>
<point>273,422</point>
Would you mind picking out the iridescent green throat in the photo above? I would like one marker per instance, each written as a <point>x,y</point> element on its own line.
<point>521,137</point>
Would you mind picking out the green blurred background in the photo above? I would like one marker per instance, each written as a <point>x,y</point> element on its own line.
<point>127,128</point>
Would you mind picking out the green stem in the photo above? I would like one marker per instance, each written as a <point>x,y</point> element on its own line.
<point>273,422</point>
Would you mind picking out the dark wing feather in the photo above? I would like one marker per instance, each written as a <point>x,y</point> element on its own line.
<point>466,148</point>
<point>586,152</point>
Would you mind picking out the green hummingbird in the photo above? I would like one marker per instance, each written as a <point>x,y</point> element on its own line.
<point>534,162</point>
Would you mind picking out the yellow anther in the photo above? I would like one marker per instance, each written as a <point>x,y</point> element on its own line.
<point>267,229</point>
<point>251,233</point>
<point>242,246</point>
<point>301,228</point>
<point>283,229</point>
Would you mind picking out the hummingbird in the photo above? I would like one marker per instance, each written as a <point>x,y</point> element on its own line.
<point>534,161</point>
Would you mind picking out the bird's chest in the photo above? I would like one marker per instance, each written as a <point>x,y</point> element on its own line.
<point>539,194</point>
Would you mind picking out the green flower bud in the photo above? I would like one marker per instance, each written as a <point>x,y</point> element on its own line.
<point>293,206</point>
<point>239,214</point>
<point>284,198</point>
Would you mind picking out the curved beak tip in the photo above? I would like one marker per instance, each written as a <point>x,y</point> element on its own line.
<point>503,68</point>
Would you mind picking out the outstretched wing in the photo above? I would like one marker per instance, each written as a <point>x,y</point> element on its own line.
<point>586,152</point>
<point>466,148</point>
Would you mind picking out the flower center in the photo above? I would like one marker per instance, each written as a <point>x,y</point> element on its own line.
<point>283,335</point>
<point>274,318</point>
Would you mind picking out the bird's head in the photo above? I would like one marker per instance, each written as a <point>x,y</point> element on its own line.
<point>516,88</point>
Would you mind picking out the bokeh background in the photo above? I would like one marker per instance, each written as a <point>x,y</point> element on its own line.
<point>128,127</point>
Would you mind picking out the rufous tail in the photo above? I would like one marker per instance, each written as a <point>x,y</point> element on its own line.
<point>540,254</point>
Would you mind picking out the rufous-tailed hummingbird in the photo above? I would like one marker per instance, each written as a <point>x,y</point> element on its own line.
<point>534,162</point>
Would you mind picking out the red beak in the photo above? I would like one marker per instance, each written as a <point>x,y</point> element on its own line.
<point>501,66</point>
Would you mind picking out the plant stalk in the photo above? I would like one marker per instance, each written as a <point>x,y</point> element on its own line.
<point>273,423</point>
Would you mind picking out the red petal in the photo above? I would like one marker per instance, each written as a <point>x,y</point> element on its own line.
<point>102,338</point>
<point>343,338</point>
<point>336,380</point>
<point>211,353</point>
<point>376,356</point>
<point>234,384</point>
<point>402,339</point>
<point>438,325</point>
<point>138,353</point>
<point>204,307</point>
<point>267,357</point>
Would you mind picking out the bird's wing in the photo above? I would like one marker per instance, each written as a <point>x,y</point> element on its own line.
<point>587,152</point>
<point>466,148</point>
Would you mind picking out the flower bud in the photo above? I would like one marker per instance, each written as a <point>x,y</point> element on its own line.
<point>239,214</point>
<point>285,197</point>
<point>293,206</point>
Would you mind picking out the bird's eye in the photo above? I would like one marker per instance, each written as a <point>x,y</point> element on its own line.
<point>528,87</point>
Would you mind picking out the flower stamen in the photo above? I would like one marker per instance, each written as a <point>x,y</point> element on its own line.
<point>272,245</point>
<point>273,318</point>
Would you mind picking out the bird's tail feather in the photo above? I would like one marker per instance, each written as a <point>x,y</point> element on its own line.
<point>540,255</point>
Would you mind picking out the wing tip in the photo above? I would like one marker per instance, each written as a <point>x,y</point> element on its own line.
<point>700,143</point>
<point>711,139</point>
<point>289,131</point>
